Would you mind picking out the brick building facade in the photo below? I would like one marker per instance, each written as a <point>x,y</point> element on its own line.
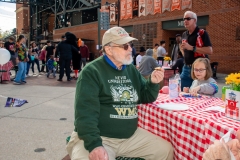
<point>220,18</point>
<point>223,20</point>
<point>22,20</point>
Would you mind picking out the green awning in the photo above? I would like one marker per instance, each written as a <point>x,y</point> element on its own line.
<point>179,23</point>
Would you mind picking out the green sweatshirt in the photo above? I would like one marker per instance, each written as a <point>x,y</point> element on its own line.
<point>106,100</point>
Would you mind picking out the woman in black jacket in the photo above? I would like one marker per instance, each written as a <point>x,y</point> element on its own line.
<point>66,49</point>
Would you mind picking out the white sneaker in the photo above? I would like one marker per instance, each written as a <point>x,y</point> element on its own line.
<point>17,83</point>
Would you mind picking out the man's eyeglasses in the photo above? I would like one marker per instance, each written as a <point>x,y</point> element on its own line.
<point>188,18</point>
<point>124,46</point>
<point>199,70</point>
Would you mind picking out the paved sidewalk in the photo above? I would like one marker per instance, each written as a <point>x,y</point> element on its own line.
<point>37,124</point>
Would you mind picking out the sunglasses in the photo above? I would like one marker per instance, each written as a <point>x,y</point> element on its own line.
<point>188,18</point>
<point>124,46</point>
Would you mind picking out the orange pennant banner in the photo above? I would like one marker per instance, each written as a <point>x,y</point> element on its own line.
<point>129,9</point>
<point>123,9</point>
<point>142,8</point>
<point>166,5</point>
<point>186,4</point>
<point>149,7</point>
<point>112,12</point>
<point>157,6</point>
<point>176,5</point>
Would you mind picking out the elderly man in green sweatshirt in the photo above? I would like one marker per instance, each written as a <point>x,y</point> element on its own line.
<point>107,93</point>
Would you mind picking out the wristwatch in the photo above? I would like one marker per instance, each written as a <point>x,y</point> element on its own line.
<point>194,49</point>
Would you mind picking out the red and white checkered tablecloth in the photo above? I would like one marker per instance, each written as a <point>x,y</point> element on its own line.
<point>191,131</point>
<point>7,67</point>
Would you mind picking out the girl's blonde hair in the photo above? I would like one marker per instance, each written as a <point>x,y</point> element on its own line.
<point>206,62</point>
<point>44,47</point>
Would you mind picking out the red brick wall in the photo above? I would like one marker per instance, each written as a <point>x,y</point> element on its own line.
<point>85,31</point>
<point>224,17</point>
<point>22,20</point>
<point>51,23</point>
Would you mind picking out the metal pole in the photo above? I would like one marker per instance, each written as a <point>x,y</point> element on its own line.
<point>31,23</point>
<point>55,14</point>
<point>64,13</point>
<point>99,22</point>
<point>118,11</point>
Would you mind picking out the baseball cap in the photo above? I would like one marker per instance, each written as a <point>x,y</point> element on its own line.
<point>116,35</point>
<point>177,35</point>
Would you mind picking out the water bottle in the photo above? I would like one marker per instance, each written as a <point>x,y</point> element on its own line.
<point>173,87</point>
<point>177,76</point>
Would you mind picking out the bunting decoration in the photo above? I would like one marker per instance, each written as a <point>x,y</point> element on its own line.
<point>112,12</point>
<point>186,4</point>
<point>129,9</point>
<point>123,9</point>
<point>166,5</point>
<point>137,8</point>
<point>142,8</point>
<point>149,7</point>
<point>157,6</point>
<point>176,5</point>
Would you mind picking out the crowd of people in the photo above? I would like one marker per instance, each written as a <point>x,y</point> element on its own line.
<point>66,56</point>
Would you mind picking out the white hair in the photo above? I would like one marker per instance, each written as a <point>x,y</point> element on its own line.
<point>192,14</point>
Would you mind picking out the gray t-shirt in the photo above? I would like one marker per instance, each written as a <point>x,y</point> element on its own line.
<point>208,87</point>
<point>161,52</point>
<point>147,65</point>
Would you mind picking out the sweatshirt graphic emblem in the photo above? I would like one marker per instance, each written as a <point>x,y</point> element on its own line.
<point>126,95</point>
<point>123,93</point>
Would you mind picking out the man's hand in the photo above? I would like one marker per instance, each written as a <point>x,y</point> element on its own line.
<point>186,46</point>
<point>98,153</point>
<point>157,76</point>
<point>194,91</point>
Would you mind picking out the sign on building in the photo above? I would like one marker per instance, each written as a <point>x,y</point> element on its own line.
<point>104,18</point>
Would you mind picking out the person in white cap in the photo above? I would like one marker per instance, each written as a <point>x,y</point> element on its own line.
<point>107,93</point>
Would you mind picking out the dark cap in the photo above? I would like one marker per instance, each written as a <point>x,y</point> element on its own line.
<point>162,42</point>
<point>142,49</point>
<point>177,35</point>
